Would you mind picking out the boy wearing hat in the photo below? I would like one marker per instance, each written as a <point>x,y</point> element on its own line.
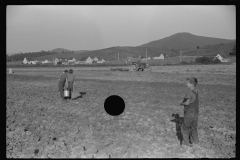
<point>61,83</point>
<point>70,78</point>
<point>191,111</point>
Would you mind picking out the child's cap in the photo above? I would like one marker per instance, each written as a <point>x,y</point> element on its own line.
<point>65,71</point>
<point>192,80</point>
<point>70,71</point>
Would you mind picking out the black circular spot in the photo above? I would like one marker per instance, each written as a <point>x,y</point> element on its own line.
<point>114,105</point>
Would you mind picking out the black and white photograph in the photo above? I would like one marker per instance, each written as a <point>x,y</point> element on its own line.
<point>120,81</point>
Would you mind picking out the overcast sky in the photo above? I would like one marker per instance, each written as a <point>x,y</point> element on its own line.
<point>36,28</point>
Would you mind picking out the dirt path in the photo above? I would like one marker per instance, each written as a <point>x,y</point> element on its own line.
<point>39,125</point>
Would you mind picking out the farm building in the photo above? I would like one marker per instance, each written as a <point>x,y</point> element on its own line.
<point>89,60</point>
<point>32,62</point>
<point>56,60</point>
<point>160,57</point>
<point>95,59</point>
<point>72,60</point>
<point>81,62</point>
<point>148,58</point>
<point>46,61</point>
<point>38,62</point>
<point>25,61</point>
<point>101,61</point>
<point>63,59</point>
<point>221,58</point>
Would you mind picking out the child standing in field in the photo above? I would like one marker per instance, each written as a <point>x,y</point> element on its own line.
<point>61,83</point>
<point>191,111</point>
<point>70,79</point>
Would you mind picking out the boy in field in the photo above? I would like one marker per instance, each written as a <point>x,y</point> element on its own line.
<point>61,83</point>
<point>70,79</point>
<point>191,111</point>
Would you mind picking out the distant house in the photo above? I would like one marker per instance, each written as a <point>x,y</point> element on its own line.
<point>72,60</point>
<point>56,60</point>
<point>101,61</point>
<point>89,60</point>
<point>46,61</point>
<point>95,59</point>
<point>38,62</point>
<point>81,62</point>
<point>32,62</point>
<point>63,59</point>
<point>160,57</point>
<point>221,58</point>
<point>25,61</point>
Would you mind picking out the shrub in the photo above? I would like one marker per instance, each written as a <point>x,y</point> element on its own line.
<point>216,61</point>
<point>207,60</point>
<point>233,52</point>
<point>183,62</point>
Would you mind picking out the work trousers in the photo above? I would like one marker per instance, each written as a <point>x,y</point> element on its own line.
<point>189,127</point>
<point>70,87</point>
<point>61,89</point>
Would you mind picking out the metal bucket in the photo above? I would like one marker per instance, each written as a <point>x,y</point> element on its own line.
<point>66,93</point>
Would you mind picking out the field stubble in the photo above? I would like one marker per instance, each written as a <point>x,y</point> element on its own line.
<point>40,125</point>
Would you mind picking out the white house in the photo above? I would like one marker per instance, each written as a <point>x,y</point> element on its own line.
<point>95,59</point>
<point>25,61</point>
<point>101,61</point>
<point>89,60</point>
<point>221,58</point>
<point>225,60</point>
<point>56,60</point>
<point>72,60</point>
<point>81,62</point>
<point>160,57</point>
<point>32,62</point>
<point>46,61</point>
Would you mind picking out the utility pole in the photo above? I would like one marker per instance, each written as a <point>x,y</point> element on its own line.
<point>146,55</point>
<point>180,55</point>
<point>118,56</point>
<point>198,50</point>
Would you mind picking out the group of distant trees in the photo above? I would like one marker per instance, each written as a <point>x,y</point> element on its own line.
<point>207,60</point>
<point>67,51</point>
<point>233,52</point>
<point>29,55</point>
<point>83,58</point>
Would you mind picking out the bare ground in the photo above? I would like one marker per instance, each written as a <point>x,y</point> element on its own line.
<point>40,125</point>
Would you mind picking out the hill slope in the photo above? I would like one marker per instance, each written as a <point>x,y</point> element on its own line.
<point>112,52</point>
<point>185,41</point>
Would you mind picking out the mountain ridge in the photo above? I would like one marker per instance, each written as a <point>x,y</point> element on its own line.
<point>170,45</point>
<point>184,40</point>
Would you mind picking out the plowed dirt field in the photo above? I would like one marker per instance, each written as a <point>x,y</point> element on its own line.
<point>40,125</point>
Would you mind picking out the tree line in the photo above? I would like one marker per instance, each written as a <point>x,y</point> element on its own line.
<point>29,55</point>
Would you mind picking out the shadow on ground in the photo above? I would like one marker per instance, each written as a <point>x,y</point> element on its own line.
<point>178,120</point>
